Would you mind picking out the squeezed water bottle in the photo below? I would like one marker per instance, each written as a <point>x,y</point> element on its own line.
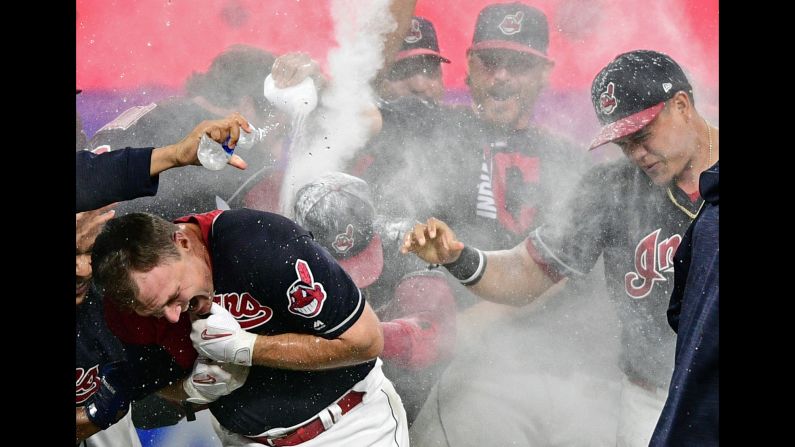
<point>214,156</point>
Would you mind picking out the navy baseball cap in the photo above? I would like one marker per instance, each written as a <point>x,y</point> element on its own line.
<point>338,210</point>
<point>512,26</point>
<point>631,90</point>
<point>420,40</point>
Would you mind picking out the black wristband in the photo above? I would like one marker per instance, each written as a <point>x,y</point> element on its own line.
<point>190,413</point>
<point>469,266</point>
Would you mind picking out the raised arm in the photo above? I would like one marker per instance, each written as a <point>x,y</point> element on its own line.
<point>503,276</point>
<point>130,173</point>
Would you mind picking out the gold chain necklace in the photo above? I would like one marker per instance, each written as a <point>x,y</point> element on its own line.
<point>689,213</point>
<point>709,161</point>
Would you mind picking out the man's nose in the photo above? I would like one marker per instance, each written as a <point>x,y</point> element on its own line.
<point>172,313</point>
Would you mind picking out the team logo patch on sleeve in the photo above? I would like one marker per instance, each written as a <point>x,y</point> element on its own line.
<point>305,296</point>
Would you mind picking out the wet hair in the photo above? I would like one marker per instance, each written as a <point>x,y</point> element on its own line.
<point>137,242</point>
<point>236,73</point>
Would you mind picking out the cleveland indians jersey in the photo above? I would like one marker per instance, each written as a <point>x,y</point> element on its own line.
<point>273,278</point>
<point>490,184</point>
<point>618,213</point>
<point>95,347</point>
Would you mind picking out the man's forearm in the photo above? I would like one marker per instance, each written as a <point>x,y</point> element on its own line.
<point>163,158</point>
<point>512,277</point>
<point>305,352</point>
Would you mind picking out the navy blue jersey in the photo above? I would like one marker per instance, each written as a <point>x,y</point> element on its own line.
<point>618,213</point>
<point>490,184</point>
<point>112,177</point>
<point>274,279</point>
<point>690,415</point>
<point>95,347</point>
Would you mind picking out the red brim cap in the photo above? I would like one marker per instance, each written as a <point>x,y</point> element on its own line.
<point>626,126</point>
<point>508,45</point>
<point>365,267</point>
<point>420,52</point>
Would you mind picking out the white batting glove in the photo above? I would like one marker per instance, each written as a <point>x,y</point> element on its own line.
<point>220,338</point>
<point>210,380</point>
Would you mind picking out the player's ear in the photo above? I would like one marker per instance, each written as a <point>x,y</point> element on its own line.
<point>680,103</point>
<point>181,239</point>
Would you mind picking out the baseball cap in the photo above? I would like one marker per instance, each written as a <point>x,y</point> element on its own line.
<point>338,209</point>
<point>631,90</point>
<point>512,26</point>
<point>420,40</point>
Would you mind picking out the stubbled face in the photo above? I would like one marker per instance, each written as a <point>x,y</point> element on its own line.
<point>505,85</point>
<point>174,287</point>
<point>664,148</point>
<point>419,76</point>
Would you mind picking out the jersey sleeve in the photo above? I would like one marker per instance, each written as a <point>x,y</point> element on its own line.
<point>113,177</point>
<point>573,240</point>
<point>319,297</point>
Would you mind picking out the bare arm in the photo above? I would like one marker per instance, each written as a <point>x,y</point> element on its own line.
<point>511,276</point>
<point>304,352</point>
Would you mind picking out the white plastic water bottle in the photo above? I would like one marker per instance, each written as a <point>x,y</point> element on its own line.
<point>214,156</point>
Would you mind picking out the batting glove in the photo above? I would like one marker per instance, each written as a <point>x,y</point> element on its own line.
<point>112,400</point>
<point>210,380</point>
<point>220,338</point>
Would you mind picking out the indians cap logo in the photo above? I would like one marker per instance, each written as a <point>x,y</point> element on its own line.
<point>415,34</point>
<point>343,242</point>
<point>306,297</point>
<point>607,101</point>
<point>512,23</point>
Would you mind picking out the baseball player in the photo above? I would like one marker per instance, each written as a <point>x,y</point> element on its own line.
<point>632,212</point>
<point>415,305</point>
<point>96,348</point>
<point>690,415</point>
<point>488,169</point>
<point>102,376</point>
<point>273,299</point>
<point>417,69</point>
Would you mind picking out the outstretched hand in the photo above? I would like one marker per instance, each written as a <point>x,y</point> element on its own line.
<point>433,242</point>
